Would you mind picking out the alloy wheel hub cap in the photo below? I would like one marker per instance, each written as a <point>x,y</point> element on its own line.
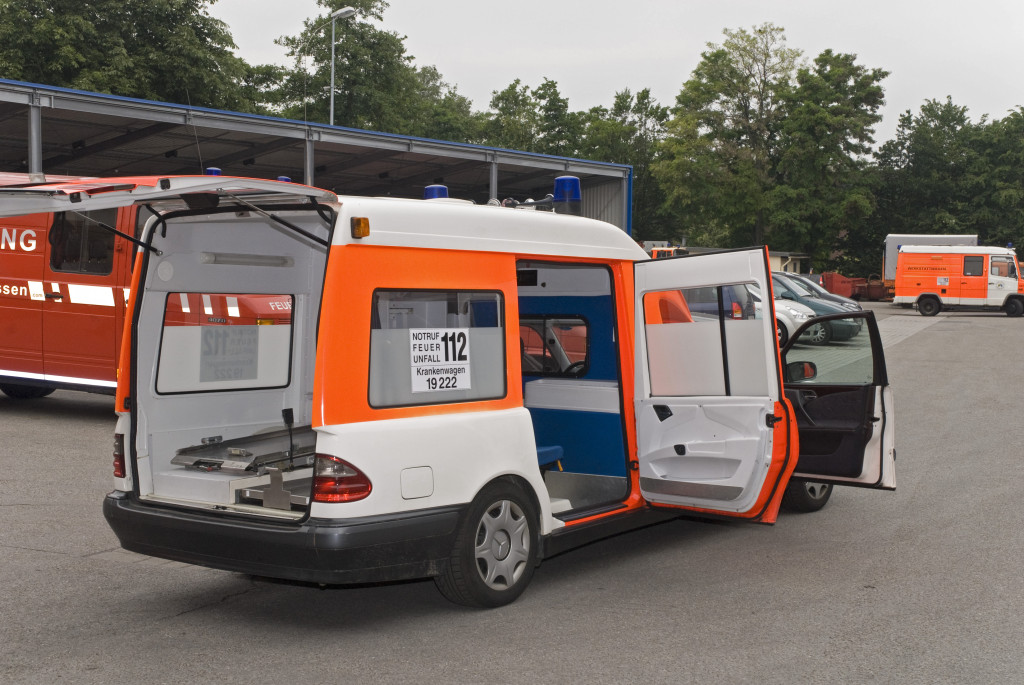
<point>501,545</point>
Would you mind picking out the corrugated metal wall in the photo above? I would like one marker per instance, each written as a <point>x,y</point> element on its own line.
<point>606,201</point>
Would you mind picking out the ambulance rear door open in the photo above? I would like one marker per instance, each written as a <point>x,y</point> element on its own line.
<point>706,382</point>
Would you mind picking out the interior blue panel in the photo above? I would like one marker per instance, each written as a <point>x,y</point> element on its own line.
<point>600,317</point>
<point>591,442</point>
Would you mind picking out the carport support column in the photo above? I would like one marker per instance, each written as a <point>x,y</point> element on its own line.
<point>35,140</point>
<point>494,178</point>
<point>308,162</point>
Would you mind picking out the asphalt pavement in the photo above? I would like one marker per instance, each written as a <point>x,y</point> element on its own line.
<point>923,585</point>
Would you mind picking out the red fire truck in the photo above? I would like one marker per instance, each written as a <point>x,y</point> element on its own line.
<point>64,280</point>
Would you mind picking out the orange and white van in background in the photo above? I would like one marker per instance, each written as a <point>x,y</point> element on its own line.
<point>64,280</point>
<point>456,391</point>
<point>936,277</point>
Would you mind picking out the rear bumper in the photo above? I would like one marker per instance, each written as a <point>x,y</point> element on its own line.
<point>370,549</point>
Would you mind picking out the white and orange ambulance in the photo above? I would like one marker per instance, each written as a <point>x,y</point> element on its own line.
<point>64,279</point>
<point>937,277</point>
<point>348,389</point>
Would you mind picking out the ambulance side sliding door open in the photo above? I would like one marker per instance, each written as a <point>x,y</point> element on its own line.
<point>844,406</point>
<point>707,383</point>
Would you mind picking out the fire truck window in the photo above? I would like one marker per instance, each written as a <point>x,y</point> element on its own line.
<point>224,341</point>
<point>554,345</point>
<point>974,266</point>
<point>79,245</point>
<point>1002,266</point>
<point>685,354</point>
<point>435,347</point>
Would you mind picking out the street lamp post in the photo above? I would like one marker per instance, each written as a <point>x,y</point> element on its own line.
<point>343,13</point>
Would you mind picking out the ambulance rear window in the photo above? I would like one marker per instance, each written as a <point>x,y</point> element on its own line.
<point>435,347</point>
<point>219,341</point>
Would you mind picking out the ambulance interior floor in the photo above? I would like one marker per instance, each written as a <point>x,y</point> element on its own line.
<point>581,491</point>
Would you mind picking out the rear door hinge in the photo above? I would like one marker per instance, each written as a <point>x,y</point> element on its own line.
<point>771,420</point>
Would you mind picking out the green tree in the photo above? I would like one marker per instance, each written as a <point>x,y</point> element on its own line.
<point>944,173</point>
<point>169,50</point>
<point>514,119</point>
<point>630,133</point>
<point>764,150</point>
<point>558,130</point>
<point>823,191</point>
<point>722,150</point>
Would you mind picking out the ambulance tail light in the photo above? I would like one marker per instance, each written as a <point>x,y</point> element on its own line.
<point>335,480</point>
<point>119,465</point>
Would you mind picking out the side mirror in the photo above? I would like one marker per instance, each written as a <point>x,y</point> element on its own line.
<point>786,295</point>
<point>801,371</point>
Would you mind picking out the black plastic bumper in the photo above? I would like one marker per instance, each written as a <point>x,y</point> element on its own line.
<point>370,549</point>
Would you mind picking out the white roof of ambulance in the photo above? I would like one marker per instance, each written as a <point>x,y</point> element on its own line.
<point>461,225</point>
<point>956,249</point>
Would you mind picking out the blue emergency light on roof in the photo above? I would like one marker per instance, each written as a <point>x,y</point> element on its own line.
<point>434,192</point>
<point>285,179</point>
<point>566,198</point>
<point>212,171</point>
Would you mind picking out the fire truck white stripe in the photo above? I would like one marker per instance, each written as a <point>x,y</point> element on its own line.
<point>90,294</point>
<point>207,306</point>
<point>58,379</point>
<point>35,290</point>
<point>232,303</point>
<point>184,303</point>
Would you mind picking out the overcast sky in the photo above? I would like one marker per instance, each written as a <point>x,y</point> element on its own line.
<point>970,51</point>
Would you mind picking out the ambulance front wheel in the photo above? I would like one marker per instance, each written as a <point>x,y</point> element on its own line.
<point>25,392</point>
<point>806,496</point>
<point>495,550</point>
<point>928,306</point>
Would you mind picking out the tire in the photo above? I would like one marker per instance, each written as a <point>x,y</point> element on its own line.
<point>820,334</point>
<point>929,306</point>
<point>25,392</point>
<point>1014,307</point>
<point>806,495</point>
<point>495,551</point>
<point>781,333</point>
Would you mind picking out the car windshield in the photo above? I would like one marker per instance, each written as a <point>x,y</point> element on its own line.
<point>797,288</point>
<point>812,286</point>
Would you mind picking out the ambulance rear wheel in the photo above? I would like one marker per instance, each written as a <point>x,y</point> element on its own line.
<point>806,496</point>
<point>495,550</point>
<point>928,306</point>
<point>1014,307</point>
<point>25,392</point>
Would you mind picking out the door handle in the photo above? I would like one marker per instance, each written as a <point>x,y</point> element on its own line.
<point>55,296</point>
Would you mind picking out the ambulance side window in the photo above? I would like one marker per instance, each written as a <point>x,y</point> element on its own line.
<point>974,266</point>
<point>711,345</point>
<point>436,346</point>
<point>79,245</point>
<point>554,345</point>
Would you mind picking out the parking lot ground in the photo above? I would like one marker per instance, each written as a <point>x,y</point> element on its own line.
<point>922,585</point>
